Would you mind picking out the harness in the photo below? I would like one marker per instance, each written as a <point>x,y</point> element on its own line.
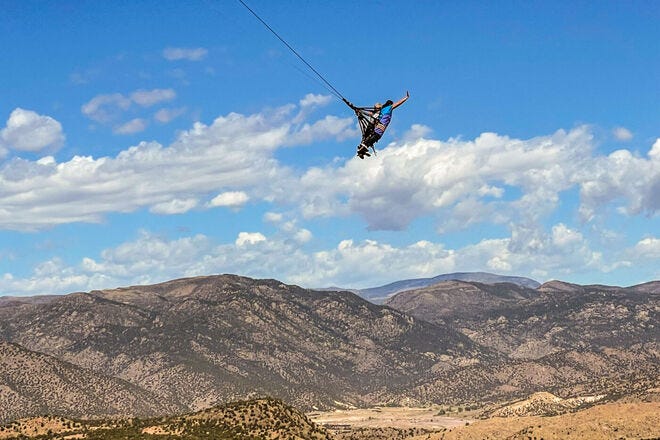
<point>368,120</point>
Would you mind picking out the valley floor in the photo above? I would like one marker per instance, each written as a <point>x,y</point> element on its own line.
<point>430,418</point>
<point>611,421</point>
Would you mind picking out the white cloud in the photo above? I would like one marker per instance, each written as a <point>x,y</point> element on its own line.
<point>369,263</point>
<point>560,251</point>
<point>310,103</point>
<point>648,247</point>
<point>404,182</point>
<point>111,108</point>
<point>147,98</point>
<point>166,115</point>
<point>131,127</point>
<point>106,108</point>
<point>654,153</point>
<point>631,181</point>
<point>152,258</point>
<point>248,238</point>
<point>463,182</point>
<point>181,53</point>
<point>330,127</point>
<point>234,151</point>
<point>622,134</point>
<point>176,206</point>
<point>416,132</point>
<point>564,237</point>
<point>233,199</point>
<point>458,183</point>
<point>531,250</point>
<point>273,217</point>
<point>303,236</point>
<point>28,131</point>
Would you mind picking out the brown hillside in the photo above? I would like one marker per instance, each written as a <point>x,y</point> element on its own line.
<point>602,422</point>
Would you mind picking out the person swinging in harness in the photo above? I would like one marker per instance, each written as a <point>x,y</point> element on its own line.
<point>373,123</point>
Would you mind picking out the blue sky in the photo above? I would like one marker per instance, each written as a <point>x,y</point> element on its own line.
<point>146,141</point>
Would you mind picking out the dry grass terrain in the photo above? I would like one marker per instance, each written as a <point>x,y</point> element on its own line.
<point>431,418</point>
<point>639,420</point>
<point>38,426</point>
<point>272,419</point>
<point>602,422</point>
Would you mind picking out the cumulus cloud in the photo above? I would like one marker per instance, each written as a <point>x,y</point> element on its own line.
<point>648,247</point>
<point>234,151</point>
<point>182,53</point>
<point>327,128</point>
<point>28,131</point>
<point>232,199</point>
<point>248,238</point>
<point>153,258</point>
<point>654,154</point>
<point>367,262</point>
<point>623,178</point>
<point>423,176</point>
<point>310,103</point>
<point>559,251</point>
<point>492,178</point>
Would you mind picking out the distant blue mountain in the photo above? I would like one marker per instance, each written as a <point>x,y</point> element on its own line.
<point>379,294</point>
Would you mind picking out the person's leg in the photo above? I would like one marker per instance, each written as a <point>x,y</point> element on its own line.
<point>367,142</point>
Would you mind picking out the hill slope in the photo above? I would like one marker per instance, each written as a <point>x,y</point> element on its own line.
<point>602,422</point>
<point>34,383</point>
<point>235,337</point>
<point>567,339</point>
<point>258,418</point>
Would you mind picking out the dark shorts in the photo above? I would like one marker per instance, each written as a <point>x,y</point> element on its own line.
<point>371,139</point>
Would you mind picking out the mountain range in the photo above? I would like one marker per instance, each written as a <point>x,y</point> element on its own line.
<point>189,344</point>
<point>381,293</point>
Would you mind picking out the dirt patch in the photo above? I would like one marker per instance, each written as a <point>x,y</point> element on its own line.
<point>429,418</point>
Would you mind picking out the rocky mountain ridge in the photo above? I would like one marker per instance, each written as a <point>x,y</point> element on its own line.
<point>381,293</point>
<point>531,323</point>
<point>235,337</point>
<point>35,383</point>
<point>567,339</point>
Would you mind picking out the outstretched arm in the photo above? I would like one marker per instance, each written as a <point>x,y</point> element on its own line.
<point>401,101</point>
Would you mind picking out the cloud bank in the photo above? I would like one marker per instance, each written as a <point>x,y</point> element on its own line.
<point>457,183</point>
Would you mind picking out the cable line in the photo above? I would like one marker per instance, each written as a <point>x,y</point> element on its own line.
<point>331,88</point>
